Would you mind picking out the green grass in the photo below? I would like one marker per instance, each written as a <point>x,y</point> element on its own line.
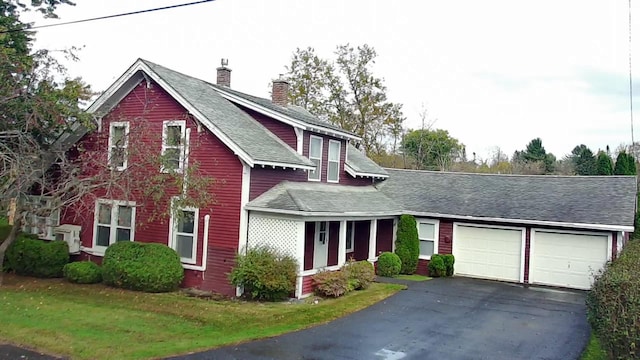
<point>413,277</point>
<point>99,322</point>
<point>594,350</point>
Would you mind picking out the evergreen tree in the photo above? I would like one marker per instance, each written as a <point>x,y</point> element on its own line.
<point>625,164</point>
<point>408,244</point>
<point>604,164</point>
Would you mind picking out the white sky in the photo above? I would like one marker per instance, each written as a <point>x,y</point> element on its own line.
<point>492,73</point>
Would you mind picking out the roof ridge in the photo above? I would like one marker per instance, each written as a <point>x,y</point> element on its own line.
<point>508,175</point>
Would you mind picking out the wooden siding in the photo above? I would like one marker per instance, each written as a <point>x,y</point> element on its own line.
<point>384,236</point>
<point>263,179</point>
<point>334,241</point>
<point>309,241</point>
<point>146,107</point>
<point>342,175</point>
<point>307,285</point>
<point>285,132</point>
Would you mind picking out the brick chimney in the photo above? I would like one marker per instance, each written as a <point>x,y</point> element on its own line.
<point>224,74</point>
<point>280,92</point>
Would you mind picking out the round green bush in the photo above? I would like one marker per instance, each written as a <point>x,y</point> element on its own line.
<point>331,283</point>
<point>82,272</point>
<point>389,264</point>
<point>449,260</point>
<point>32,257</point>
<point>360,273</point>
<point>437,267</point>
<point>139,266</point>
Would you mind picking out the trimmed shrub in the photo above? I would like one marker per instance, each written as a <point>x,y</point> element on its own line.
<point>359,273</point>
<point>613,304</point>
<point>331,283</point>
<point>449,260</point>
<point>437,268</point>
<point>265,273</point>
<point>408,244</point>
<point>32,257</point>
<point>139,266</point>
<point>82,272</point>
<point>389,264</point>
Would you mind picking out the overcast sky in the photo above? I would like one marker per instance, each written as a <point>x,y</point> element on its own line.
<point>492,73</point>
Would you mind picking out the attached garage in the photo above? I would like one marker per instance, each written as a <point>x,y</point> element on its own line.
<point>567,259</point>
<point>489,252</point>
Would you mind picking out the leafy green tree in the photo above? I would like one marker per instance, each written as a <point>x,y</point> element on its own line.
<point>408,244</point>
<point>346,93</point>
<point>433,149</point>
<point>625,164</point>
<point>603,164</point>
<point>534,157</point>
<point>584,162</point>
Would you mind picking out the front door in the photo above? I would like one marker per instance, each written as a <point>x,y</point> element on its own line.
<point>321,248</point>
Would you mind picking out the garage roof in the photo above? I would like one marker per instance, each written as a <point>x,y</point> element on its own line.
<point>597,202</point>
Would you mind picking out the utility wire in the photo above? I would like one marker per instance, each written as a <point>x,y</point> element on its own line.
<point>108,16</point>
<point>633,144</point>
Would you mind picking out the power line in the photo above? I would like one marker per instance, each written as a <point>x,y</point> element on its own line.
<point>633,144</point>
<point>108,16</point>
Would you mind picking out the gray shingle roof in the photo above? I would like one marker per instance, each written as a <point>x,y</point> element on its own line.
<point>361,164</point>
<point>599,200</point>
<point>249,135</point>
<point>319,198</point>
<point>292,111</point>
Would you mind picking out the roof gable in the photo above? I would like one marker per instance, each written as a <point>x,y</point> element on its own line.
<point>247,138</point>
<point>597,202</point>
<point>358,164</point>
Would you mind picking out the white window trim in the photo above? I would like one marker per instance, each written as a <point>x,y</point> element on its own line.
<point>319,168</point>
<point>30,225</point>
<point>319,231</point>
<point>329,161</point>
<point>351,224</point>
<point>183,148</point>
<point>124,146</point>
<point>173,233</point>
<point>97,249</point>
<point>436,234</point>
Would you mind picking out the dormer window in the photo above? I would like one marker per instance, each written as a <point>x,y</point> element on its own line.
<point>333,166</point>
<point>315,155</point>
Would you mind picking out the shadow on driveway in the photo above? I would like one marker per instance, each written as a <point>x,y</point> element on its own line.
<point>452,318</point>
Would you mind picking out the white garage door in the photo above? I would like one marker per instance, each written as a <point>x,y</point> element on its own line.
<point>566,260</point>
<point>490,253</point>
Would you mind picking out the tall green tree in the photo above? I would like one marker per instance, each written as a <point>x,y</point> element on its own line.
<point>625,164</point>
<point>534,156</point>
<point>584,162</point>
<point>433,149</point>
<point>408,244</point>
<point>604,164</point>
<point>346,93</point>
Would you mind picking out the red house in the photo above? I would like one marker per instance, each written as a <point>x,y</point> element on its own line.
<point>288,179</point>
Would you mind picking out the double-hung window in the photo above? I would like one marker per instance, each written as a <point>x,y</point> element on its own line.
<point>41,217</point>
<point>428,235</point>
<point>315,155</point>
<point>351,231</point>
<point>174,145</point>
<point>184,233</point>
<point>118,142</point>
<point>333,166</point>
<point>114,221</point>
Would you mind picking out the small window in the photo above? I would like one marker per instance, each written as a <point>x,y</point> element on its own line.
<point>41,217</point>
<point>184,234</point>
<point>333,166</point>
<point>351,231</point>
<point>174,146</point>
<point>427,235</point>
<point>322,232</point>
<point>315,155</point>
<point>118,142</point>
<point>114,222</point>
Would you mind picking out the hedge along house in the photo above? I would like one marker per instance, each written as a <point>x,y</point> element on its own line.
<point>549,230</point>
<point>292,181</point>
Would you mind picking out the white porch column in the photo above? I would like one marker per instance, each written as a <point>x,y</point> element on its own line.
<point>373,229</point>
<point>395,233</point>
<point>342,243</point>
<point>301,236</point>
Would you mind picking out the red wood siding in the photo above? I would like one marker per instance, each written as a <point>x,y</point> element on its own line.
<point>309,240</point>
<point>307,285</point>
<point>614,245</point>
<point>278,128</point>
<point>445,237</point>
<point>263,179</point>
<point>361,241</point>
<point>146,108</point>
<point>384,236</point>
<point>423,267</point>
<point>334,240</point>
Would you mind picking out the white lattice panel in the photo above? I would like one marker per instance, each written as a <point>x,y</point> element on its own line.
<point>281,234</point>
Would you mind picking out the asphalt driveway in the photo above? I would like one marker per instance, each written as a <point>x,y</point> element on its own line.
<point>454,318</point>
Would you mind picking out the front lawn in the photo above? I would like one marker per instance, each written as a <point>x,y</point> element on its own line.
<point>413,277</point>
<point>99,322</point>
